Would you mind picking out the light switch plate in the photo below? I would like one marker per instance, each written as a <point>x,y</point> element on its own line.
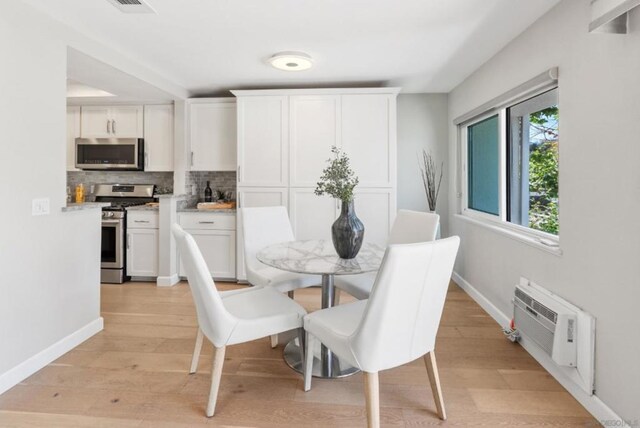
<point>40,206</point>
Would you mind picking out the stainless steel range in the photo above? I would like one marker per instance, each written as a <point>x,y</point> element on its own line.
<point>114,224</point>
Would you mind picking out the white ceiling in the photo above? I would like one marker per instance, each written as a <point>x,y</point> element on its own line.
<point>211,46</point>
<point>85,71</point>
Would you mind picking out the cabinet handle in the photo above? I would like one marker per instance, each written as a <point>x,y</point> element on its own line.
<point>108,127</point>
<point>238,174</point>
<point>113,126</point>
<point>140,221</point>
<point>206,222</point>
<point>191,158</point>
<point>128,240</point>
<point>146,159</point>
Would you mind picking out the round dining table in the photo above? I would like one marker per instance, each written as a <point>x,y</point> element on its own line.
<point>318,257</point>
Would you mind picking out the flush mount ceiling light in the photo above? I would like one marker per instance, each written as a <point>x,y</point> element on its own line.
<point>291,61</point>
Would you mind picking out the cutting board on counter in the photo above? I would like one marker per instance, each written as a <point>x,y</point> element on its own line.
<point>216,205</point>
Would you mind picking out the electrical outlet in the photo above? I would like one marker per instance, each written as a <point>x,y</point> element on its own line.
<point>40,206</point>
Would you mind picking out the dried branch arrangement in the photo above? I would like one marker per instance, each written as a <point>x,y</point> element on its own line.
<point>430,178</point>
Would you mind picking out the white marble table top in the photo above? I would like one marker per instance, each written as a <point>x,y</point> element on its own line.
<point>318,257</point>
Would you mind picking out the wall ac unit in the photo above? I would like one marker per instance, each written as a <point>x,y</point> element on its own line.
<point>548,322</point>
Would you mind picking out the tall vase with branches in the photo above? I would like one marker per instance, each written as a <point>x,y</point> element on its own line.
<point>431,177</point>
<point>339,180</point>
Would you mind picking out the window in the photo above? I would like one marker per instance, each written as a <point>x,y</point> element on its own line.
<point>510,159</point>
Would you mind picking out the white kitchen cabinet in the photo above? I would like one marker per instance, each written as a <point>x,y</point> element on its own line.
<point>369,137</point>
<point>142,243</point>
<point>158,137</point>
<point>112,122</point>
<point>212,134</point>
<point>142,252</point>
<point>311,215</point>
<point>250,197</point>
<point>314,128</point>
<point>218,247</point>
<point>284,140</point>
<point>73,132</point>
<point>216,238</point>
<point>376,209</point>
<point>263,141</point>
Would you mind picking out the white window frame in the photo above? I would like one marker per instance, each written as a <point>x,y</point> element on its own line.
<point>537,238</point>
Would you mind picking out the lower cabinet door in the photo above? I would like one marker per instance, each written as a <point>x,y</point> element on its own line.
<point>142,252</point>
<point>218,247</point>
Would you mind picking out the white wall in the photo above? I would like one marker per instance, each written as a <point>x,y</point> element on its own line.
<point>599,187</point>
<point>422,123</point>
<point>49,264</point>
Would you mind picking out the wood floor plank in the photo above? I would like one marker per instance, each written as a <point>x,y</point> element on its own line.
<point>135,374</point>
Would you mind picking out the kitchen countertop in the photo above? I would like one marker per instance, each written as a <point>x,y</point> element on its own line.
<point>143,208</point>
<point>196,210</point>
<point>85,206</point>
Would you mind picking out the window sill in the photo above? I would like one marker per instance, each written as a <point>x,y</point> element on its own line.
<point>530,240</point>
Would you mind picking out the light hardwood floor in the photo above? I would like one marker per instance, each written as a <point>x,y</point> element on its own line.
<point>135,374</point>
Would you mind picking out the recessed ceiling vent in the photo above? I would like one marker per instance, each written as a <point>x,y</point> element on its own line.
<point>132,6</point>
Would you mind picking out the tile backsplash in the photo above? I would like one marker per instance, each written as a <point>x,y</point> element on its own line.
<point>162,180</point>
<point>218,180</point>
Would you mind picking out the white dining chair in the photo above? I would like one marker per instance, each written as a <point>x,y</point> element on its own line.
<point>261,227</point>
<point>396,325</point>
<point>231,317</point>
<point>409,227</point>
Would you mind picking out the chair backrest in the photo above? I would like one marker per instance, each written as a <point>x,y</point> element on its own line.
<point>214,320</point>
<point>262,227</point>
<point>403,312</point>
<point>414,226</point>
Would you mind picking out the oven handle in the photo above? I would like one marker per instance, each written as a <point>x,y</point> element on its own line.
<point>110,221</point>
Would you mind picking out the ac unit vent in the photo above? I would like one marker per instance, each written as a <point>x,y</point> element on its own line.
<point>553,330</point>
<point>132,6</point>
<point>537,306</point>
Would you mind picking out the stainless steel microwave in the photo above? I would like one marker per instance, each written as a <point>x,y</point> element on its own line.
<point>124,154</point>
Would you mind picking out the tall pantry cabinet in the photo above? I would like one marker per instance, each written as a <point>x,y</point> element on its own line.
<point>284,140</point>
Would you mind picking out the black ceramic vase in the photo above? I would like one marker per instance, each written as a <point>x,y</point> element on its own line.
<point>347,232</point>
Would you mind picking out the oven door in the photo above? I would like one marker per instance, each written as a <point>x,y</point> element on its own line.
<point>112,254</point>
<point>110,153</point>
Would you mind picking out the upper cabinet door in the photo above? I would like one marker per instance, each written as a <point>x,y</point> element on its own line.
<point>95,122</point>
<point>73,132</point>
<point>112,122</point>
<point>263,146</point>
<point>213,136</point>
<point>368,137</point>
<point>127,121</point>
<point>158,137</point>
<point>314,128</point>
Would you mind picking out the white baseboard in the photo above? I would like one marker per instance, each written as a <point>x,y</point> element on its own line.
<point>167,281</point>
<point>592,403</point>
<point>25,369</point>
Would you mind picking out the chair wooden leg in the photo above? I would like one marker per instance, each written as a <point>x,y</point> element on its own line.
<point>274,340</point>
<point>434,380</point>
<point>372,397</point>
<point>291,294</point>
<point>196,352</point>
<point>216,374</point>
<point>308,361</point>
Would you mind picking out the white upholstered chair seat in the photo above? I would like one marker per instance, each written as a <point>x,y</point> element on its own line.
<point>267,276</point>
<point>336,325</point>
<point>260,312</point>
